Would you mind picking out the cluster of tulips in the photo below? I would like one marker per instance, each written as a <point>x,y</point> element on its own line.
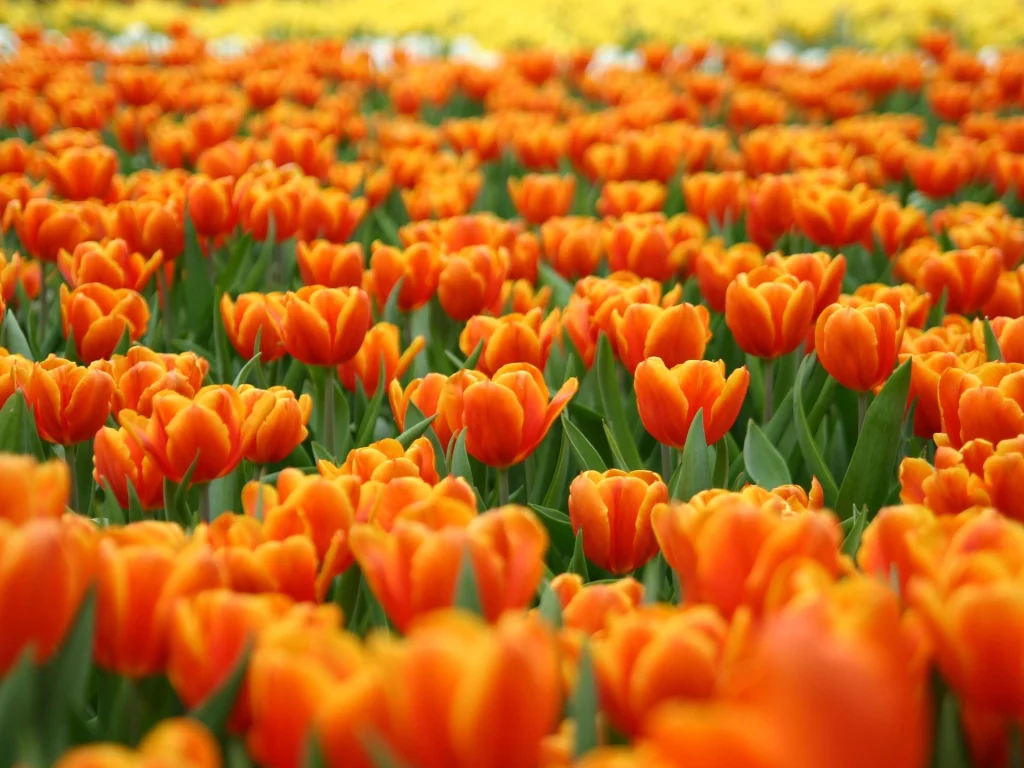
<point>533,415</point>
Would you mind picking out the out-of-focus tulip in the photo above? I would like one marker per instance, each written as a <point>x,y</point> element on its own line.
<point>915,305</point>
<point>275,422</point>
<point>715,197</point>
<point>418,267</point>
<point>834,217</point>
<point>822,271</point>
<point>675,334</point>
<point>45,227</point>
<point>967,277</point>
<point>210,205</point>
<point>770,209</point>
<point>386,459</point>
<point>325,326</point>
<point>31,489</point>
<point>70,402</point>
<point>985,402</point>
<point>79,173</point>
<point>769,311</point>
<point>381,345</point>
<point>111,264</point>
<point>895,227</point>
<point>573,246</point>
<point>645,248</point>
<point>507,416</point>
<point>716,267</point>
<point>100,316</point>
<point>331,215</point>
<point>253,313</point>
<point>119,460</point>
<point>15,270</point>
<point>858,345</point>
<point>322,262</point>
<point>614,512</point>
<point>471,280</point>
<point>512,338</point>
<point>622,197</point>
<point>205,430</point>
<point>539,197</point>
<point>925,372</point>
<point>589,608</point>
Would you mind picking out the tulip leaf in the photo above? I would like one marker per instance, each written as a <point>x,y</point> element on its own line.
<point>585,453</point>
<point>18,428</point>
<point>584,705</point>
<point>763,462</point>
<point>390,312</point>
<point>16,699</point>
<point>938,310</point>
<point>312,752</point>
<point>70,348</point>
<point>225,493</point>
<point>457,361</point>
<point>135,512</point>
<point>467,594</point>
<point>83,465</point>
<point>415,415</point>
<point>254,281</point>
<point>238,255</point>
<point>559,528</point>
<point>654,578</point>
<point>549,607</point>
<point>557,486</point>
<point>693,474</point>
<point>364,436</point>
<point>346,592</point>
<point>561,289</point>
<point>124,343</point>
<point>610,390</point>
<point>813,459</point>
<point>111,510</point>
<point>13,339</point>
<point>417,430</point>
<point>322,454</point>
<point>460,466</point>
<point>851,544</point>
<point>342,421</point>
<point>720,474</point>
<point>474,356</point>
<point>381,755</point>
<point>198,283</point>
<point>950,742</point>
<point>874,456</point>
<point>176,497</point>
<point>613,445</point>
<point>215,709</point>
<point>993,353</point>
<point>253,362</point>
<point>578,561</point>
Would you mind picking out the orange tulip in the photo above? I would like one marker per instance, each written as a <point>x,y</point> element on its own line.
<point>418,267</point>
<point>471,280</point>
<point>275,422</point>
<point>573,246</point>
<point>78,173</point>
<point>896,227</point>
<point>619,198</point>
<point>423,393</point>
<point>675,334</point>
<point>590,608</point>
<point>141,373</point>
<point>322,262</point>
<point>325,326</point>
<point>45,227</point>
<point>938,173</point>
<point>508,416</point>
<point>330,214</point>
<point>100,316</point>
<point>967,277</point>
<point>716,267</point>
<point>645,247</point>
<point>412,569</point>
<point>834,217</point>
<point>925,372</point>
<point>614,511</point>
<point>668,399</point>
<point>769,311</point>
<point>251,313</point>
<point>386,459</point>
<point>110,264</point>
<point>48,565</point>
<point>822,271</point>
<point>118,461</point>
<point>149,226</point>
<point>983,403</point>
<point>715,197</point>
<point>137,588</point>
<point>15,270</point>
<point>512,338</point>
<point>70,402</point>
<point>858,345</point>
<point>541,196</point>
<point>31,490</point>
<point>205,430</point>
<point>915,305</point>
<point>770,209</point>
<point>210,205</point>
<point>381,345</point>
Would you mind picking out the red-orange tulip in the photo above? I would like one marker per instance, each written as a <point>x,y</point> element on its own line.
<point>573,246</point>
<point>330,214</point>
<point>769,311</point>
<point>967,277</point>
<point>471,280</point>
<point>210,205</point>
<point>275,422</point>
<point>822,271</point>
<point>100,317</point>
<point>70,402</point>
<point>111,264</point>
<point>716,267</point>
<point>542,196</point>
<point>30,489</point>
<point>78,173</point>
<point>381,345</point>
<point>512,338</point>
<point>834,217</point>
<point>325,326</point>
<point>253,313</point>
<point>142,373</point>
<point>322,262</point>
<point>675,334</point>
<point>418,267</point>
<point>984,403</point>
<point>45,227</point>
<point>423,393</point>
<point>858,345</point>
<point>119,460</point>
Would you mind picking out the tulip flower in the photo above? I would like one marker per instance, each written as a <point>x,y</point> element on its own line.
<point>15,271</point>
<point>386,459</point>
<point>32,490</point>
<point>858,345</point>
<point>769,311</point>
<point>967,277</point>
<point>770,209</point>
<point>833,217</point>
<point>70,402</point>
<point>512,338</point>
<point>322,262</point>
<point>622,197</point>
<point>589,608</point>
<point>915,305</point>
<point>210,205</point>
<point>716,267</point>
<point>825,273</point>
<point>325,326</point>
<point>141,373</point>
<point>668,399</point>
<point>330,214</point>
<point>614,511</point>
<point>47,566</point>
<point>149,226</point>
<point>715,197</point>
<point>573,246</point>
<point>111,264</point>
<point>981,403</point>
<point>381,345</point>
<point>423,393</point>
<point>46,227</point>
<point>120,460</point>
<point>100,316</point>
<point>471,280</point>
<point>645,247</point>
<point>275,422</point>
<point>80,173</point>
<point>507,416</point>
<point>253,313</point>
<point>539,197</point>
<point>675,334</point>
<point>418,266</point>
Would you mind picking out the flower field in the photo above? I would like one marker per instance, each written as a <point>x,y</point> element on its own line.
<point>361,406</point>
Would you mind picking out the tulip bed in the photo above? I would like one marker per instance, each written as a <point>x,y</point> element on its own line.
<point>515,415</point>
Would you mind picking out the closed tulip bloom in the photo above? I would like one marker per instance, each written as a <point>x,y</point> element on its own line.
<point>46,566</point>
<point>508,416</point>
<point>382,345</point>
<point>111,264</point>
<point>471,280</point>
<point>858,345</point>
<point>895,227</point>
<point>182,741</point>
<point>542,196</point>
<point>716,267</point>
<point>423,393</point>
<point>386,459</point>
<point>418,267</point>
<point>715,197</point>
<point>70,402</point>
<point>967,277</point>
<point>253,313</point>
<point>15,271</point>
<point>621,197</point>
<point>137,588</point>
<point>916,305</point>
<point>119,460</point>
<point>45,227</point>
<point>79,173</point>
<point>275,422</point>
<point>573,246</point>
<point>31,489</point>
<point>322,262</point>
<point>925,372</point>
<point>330,214</point>
<point>206,429</point>
<point>100,316</point>
<point>822,271</point>
<point>770,209</point>
<point>141,373</point>
<point>512,338</point>
<point>153,227</point>
<point>614,511</point>
<point>675,334</point>
<point>210,205</point>
<point>325,326</point>
<point>589,608</point>
<point>450,404</point>
<point>645,248</point>
<point>668,398</point>
<point>769,311</point>
<point>984,403</point>
<point>834,217</point>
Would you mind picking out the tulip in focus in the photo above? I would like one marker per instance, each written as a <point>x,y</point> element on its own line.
<point>99,317</point>
<point>381,345</point>
<point>325,326</point>
<point>512,338</point>
<point>769,311</point>
<point>119,460</point>
<point>331,265</point>
<point>111,264</point>
<point>418,267</point>
<point>253,313</point>
<point>472,280</point>
<point>858,345</point>
<point>70,402</point>
<point>275,422</point>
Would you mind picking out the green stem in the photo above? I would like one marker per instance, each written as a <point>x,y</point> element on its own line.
<point>69,457</point>
<point>329,410</point>
<point>862,409</point>
<point>666,462</point>
<point>502,487</point>
<point>204,503</point>
<point>165,306</point>
<point>768,368</point>
<point>44,302</point>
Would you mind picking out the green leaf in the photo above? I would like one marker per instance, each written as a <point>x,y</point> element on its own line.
<point>342,420</point>
<point>415,431</point>
<point>720,474</point>
<point>225,493</point>
<point>111,510</point>
<point>611,395</point>
<point>557,485</point>
<point>874,457</point>
<point>83,453</point>
<point>474,356</point>
<point>176,497</point>
<point>135,511</point>
<point>993,353</point>
<point>549,607</point>
<point>254,361</point>
<point>460,459</point>
<point>312,752</point>
<point>215,709</point>
<point>693,474</point>
<point>381,754</point>
<point>467,594</point>
<point>197,284</point>
<point>654,577</point>
<point>813,458</point>
<point>14,340</point>
<point>124,343</point>
<point>938,311</point>
<point>852,541</point>
<point>578,562</point>
<point>561,289</point>
<point>764,464</point>
<point>70,348</point>
<point>364,435</point>
<point>346,591</point>
<point>950,744</point>
<point>254,280</point>
<point>620,462</point>
<point>322,454</point>
<point>457,361</point>
<point>585,453</point>
<point>559,528</point>
<point>415,416</point>
<point>18,428</point>
<point>584,705</point>
<point>16,695</point>
<point>390,313</point>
